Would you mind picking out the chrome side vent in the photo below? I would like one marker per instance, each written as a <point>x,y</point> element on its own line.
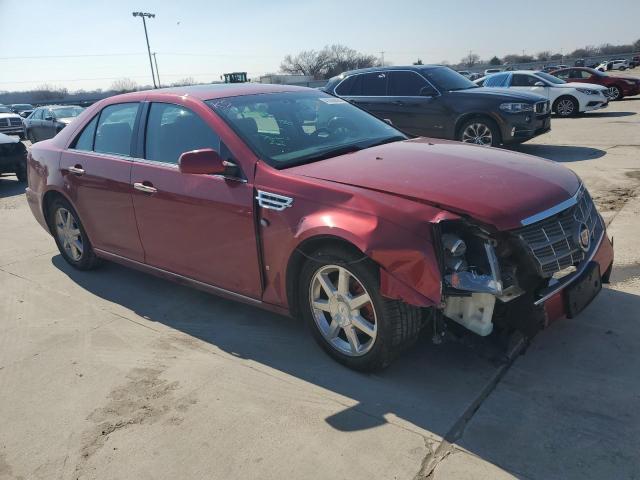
<point>273,201</point>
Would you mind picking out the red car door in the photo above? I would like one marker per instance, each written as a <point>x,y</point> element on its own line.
<point>97,172</point>
<point>198,226</point>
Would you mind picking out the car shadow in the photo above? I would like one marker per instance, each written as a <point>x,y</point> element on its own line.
<point>607,114</point>
<point>429,388</point>
<point>560,153</point>
<point>10,187</point>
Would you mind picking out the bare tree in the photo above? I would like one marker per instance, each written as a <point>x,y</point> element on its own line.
<point>544,55</point>
<point>331,60</point>
<point>418,62</point>
<point>124,85</point>
<point>471,59</point>
<point>184,82</point>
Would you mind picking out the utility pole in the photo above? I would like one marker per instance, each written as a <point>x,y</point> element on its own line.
<point>155,60</point>
<point>144,16</point>
<point>382,57</point>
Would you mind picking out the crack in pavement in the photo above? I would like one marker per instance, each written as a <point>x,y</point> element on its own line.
<point>434,457</point>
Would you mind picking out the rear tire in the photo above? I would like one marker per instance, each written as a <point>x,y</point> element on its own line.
<point>566,106</point>
<point>21,171</point>
<point>615,93</point>
<point>389,326</point>
<point>70,236</point>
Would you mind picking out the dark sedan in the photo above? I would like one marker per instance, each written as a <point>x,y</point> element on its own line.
<point>22,109</point>
<point>435,101</point>
<point>46,122</point>
<point>618,86</point>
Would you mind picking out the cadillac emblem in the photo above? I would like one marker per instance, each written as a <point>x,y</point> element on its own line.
<point>583,237</point>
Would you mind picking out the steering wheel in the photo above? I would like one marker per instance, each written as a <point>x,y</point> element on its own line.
<point>341,128</point>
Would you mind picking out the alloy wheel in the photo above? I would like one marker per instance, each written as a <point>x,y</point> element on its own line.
<point>69,233</point>
<point>613,93</point>
<point>565,107</point>
<point>343,310</point>
<point>477,133</point>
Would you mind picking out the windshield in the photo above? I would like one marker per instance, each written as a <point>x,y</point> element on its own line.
<point>292,128</point>
<point>446,79</point>
<point>550,78</point>
<point>67,112</point>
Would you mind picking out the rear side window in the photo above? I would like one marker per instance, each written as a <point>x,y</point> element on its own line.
<point>497,80</point>
<point>85,140</point>
<point>115,129</point>
<point>350,86</point>
<point>520,80</point>
<point>406,84</point>
<point>173,130</point>
<point>374,84</point>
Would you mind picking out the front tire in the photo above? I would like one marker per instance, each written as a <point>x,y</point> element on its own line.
<point>339,296</point>
<point>70,236</point>
<point>480,131</point>
<point>21,171</point>
<point>566,106</point>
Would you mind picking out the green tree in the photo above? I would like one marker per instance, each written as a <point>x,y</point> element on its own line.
<point>495,61</point>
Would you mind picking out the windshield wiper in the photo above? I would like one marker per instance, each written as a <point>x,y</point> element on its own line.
<point>334,152</point>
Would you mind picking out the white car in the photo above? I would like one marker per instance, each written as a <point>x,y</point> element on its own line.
<point>11,123</point>
<point>489,71</point>
<point>613,65</point>
<point>566,99</point>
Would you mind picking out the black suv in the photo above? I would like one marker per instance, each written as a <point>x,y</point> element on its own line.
<point>436,101</point>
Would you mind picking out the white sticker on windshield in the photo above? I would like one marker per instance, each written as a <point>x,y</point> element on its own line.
<point>331,100</point>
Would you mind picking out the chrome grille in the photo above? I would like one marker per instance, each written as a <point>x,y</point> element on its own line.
<point>15,122</point>
<point>4,122</point>
<point>542,107</point>
<point>554,241</point>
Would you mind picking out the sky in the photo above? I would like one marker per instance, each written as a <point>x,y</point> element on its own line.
<point>88,44</point>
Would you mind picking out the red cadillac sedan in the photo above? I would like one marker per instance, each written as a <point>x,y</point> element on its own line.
<point>619,86</point>
<point>299,202</point>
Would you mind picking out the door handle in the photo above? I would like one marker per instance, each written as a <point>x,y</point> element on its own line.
<point>145,188</point>
<point>398,102</point>
<point>76,170</point>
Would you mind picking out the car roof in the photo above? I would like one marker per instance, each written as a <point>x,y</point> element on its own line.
<point>216,90</point>
<point>414,68</point>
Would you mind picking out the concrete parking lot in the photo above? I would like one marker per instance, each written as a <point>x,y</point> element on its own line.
<point>116,374</point>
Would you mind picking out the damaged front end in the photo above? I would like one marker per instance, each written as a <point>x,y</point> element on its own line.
<point>503,278</point>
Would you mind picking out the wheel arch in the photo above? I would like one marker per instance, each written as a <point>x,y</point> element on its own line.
<point>47,199</point>
<point>473,116</point>
<point>304,250</point>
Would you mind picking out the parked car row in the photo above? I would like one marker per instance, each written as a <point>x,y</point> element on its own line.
<point>567,99</point>
<point>297,201</point>
<point>435,101</point>
<point>36,124</point>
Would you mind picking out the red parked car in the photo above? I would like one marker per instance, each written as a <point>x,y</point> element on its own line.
<point>618,86</point>
<point>299,202</point>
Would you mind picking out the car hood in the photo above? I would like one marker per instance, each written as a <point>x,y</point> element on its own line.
<point>494,186</point>
<point>501,94</point>
<point>10,115</point>
<point>4,139</point>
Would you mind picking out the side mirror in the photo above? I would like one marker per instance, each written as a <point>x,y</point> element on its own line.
<point>539,84</point>
<point>48,118</point>
<point>204,162</point>
<point>428,91</point>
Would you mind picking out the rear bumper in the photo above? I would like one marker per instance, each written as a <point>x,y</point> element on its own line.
<point>554,302</point>
<point>35,204</point>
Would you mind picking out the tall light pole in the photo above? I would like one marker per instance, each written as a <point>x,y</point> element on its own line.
<point>155,60</point>
<point>144,16</point>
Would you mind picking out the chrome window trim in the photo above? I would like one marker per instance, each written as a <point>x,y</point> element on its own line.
<point>385,96</point>
<point>553,210</point>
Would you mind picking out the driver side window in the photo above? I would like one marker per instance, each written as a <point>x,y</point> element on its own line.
<point>521,80</point>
